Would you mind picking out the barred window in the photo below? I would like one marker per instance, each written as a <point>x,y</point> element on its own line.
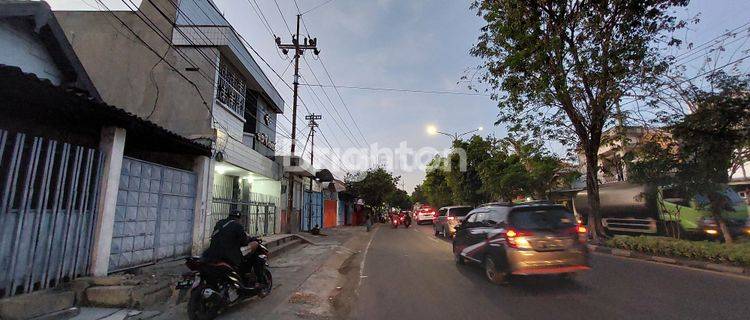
<point>231,88</point>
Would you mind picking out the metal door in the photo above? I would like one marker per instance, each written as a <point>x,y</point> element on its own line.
<point>48,196</point>
<point>312,210</point>
<point>154,215</point>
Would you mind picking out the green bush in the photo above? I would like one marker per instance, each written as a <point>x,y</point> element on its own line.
<point>736,254</point>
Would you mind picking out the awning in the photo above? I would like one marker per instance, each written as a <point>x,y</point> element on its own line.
<point>34,104</point>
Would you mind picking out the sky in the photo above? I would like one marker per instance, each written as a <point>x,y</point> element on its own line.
<point>414,44</point>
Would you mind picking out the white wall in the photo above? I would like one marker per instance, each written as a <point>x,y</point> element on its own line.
<point>21,47</point>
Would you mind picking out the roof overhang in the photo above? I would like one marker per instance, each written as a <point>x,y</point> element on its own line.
<point>53,37</point>
<point>25,97</point>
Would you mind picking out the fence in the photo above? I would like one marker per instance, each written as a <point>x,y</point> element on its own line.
<point>258,210</point>
<point>48,201</point>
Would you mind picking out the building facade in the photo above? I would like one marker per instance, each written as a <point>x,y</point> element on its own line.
<point>183,66</point>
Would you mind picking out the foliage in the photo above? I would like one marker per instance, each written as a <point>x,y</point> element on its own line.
<point>373,186</point>
<point>562,65</point>
<point>738,254</point>
<point>463,178</point>
<point>418,195</point>
<point>435,184</point>
<point>399,199</point>
<point>503,176</point>
<point>699,155</point>
<point>495,170</point>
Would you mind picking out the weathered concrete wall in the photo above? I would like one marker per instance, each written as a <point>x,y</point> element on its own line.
<point>131,76</point>
<point>21,47</point>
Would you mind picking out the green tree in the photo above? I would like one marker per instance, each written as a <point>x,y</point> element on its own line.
<point>372,186</point>
<point>463,177</point>
<point>504,176</point>
<point>399,199</point>
<point>700,153</point>
<point>562,65</point>
<point>435,184</point>
<point>418,195</point>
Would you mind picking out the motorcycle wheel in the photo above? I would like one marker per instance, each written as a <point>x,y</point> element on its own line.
<point>200,308</point>
<point>269,284</point>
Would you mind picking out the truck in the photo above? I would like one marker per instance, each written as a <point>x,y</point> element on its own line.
<point>629,208</point>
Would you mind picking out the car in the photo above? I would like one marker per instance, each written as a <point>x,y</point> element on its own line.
<point>522,240</point>
<point>425,214</point>
<point>448,218</point>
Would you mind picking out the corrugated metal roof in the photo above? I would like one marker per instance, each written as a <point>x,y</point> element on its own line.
<point>24,95</point>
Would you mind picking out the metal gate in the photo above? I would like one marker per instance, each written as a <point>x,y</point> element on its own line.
<point>258,210</point>
<point>48,201</point>
<point>154,214</point>
<point>312,211</point>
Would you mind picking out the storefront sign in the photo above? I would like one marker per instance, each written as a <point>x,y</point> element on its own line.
<point>264,140</point>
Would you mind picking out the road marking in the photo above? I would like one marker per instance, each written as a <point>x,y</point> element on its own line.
<point>364,258</point>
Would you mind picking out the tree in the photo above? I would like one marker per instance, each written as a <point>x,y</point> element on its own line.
<point>399,199</point>
<point>372,186</point>
<point>465,183</point>
<point>504,176</point>
<point>562,65</point>
<point>698,157</point>
<point>435,184</point>
<point>418,195</point>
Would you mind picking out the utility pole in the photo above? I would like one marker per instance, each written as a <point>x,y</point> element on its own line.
<point>299,49</point>
<point>312,124</point>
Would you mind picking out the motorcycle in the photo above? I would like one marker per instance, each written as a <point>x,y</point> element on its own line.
<point>396,220</point>
<point>215,286</point>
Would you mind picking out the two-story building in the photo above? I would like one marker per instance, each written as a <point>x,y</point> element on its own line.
<point>183,66</point>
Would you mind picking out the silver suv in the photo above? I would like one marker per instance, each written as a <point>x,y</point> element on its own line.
<point>448,218</point>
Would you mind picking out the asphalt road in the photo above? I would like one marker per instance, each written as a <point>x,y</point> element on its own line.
<point>410,274</point>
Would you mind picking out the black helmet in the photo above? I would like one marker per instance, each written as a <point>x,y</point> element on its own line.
<point>235,214</point>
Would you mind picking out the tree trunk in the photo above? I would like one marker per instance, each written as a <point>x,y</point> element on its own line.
<point>592,189</point>
<point>724,229</point>
<point>718,201</point>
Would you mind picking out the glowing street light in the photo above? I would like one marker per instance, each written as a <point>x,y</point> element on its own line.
<point>433,130</point>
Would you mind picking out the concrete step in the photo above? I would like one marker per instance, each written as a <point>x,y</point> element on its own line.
<point>35,304</point>
<point>284,247</point>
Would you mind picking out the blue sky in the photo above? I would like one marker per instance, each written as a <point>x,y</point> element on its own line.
<point>415,44</point>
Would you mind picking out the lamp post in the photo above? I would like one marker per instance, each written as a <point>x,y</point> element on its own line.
<point>433,130</point>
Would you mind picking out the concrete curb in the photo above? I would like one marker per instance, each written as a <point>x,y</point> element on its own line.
<point>673,261</point>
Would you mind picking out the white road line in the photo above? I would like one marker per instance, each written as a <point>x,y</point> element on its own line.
<point>364,258</point>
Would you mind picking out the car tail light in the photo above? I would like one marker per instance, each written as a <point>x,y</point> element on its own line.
<point>518,238</point>
<point>582,233</point>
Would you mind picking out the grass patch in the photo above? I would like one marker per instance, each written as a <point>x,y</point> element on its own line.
<point>735,254</point>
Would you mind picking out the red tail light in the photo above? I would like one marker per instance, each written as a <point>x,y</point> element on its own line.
<point>512,235</point>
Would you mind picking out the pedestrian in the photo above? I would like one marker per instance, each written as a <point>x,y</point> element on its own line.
<point>368,220</point>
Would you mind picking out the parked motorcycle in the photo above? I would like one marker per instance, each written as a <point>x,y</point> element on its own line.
<point>217,286</point>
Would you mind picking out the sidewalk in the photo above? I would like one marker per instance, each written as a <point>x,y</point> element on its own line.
<point>304,278</point>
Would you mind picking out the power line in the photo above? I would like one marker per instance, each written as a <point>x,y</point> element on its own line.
<point>282,17</point>
<point>398,90</point>
<point>316,7</point>
<point>337,93</point>
<point>351,135</point>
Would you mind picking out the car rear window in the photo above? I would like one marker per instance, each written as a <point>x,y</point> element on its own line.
<point>460,212</point>
<point>542,219</point>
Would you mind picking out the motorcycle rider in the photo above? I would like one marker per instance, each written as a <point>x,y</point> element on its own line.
<point>227,239</point>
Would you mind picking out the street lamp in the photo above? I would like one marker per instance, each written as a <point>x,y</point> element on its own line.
<point>433,130</point>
